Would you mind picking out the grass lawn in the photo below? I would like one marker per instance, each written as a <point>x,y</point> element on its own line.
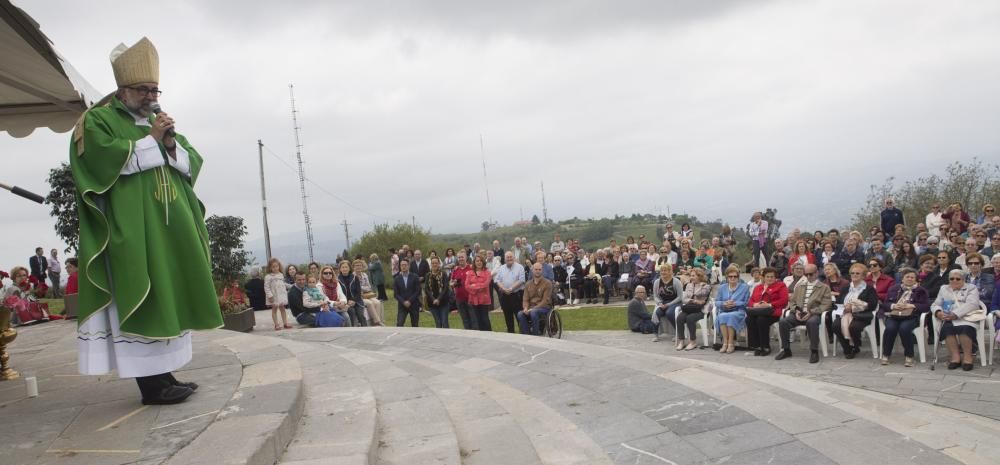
<point>56,306</point>
<point>575,319</point>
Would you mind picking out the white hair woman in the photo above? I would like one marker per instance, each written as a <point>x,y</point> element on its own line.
<point>957,307</point>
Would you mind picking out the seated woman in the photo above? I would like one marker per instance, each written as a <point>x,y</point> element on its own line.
<point>643,272</point>
<point>766,305</point>
<point>704,260</point>
<point>373,306</point>
<point>801,255</point>
<point>331,288</point>
<point>902,309</point>
<point>696,294</point>
<point>667,294</point>
<point>877,279</point>
<point>860,303</point>
<point>953,305</point>
<point>731,304</point>
<point>828,255</point>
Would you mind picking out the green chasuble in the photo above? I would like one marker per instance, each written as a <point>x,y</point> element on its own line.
<point>146,229</point>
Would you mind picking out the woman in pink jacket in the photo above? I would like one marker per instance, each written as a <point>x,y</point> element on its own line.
<point>477,283</point>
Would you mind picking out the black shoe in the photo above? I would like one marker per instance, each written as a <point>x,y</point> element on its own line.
<point>765,352</point>
<point>954,365</point>
<point>173,381</point>
<point>814,357</point>
<point>856,350</point>
<point>758,352</point>
<point>605,301</point>
<point>169,395</point>
<point>785,353</point>
<point>967,366</point>
<point>849,354</point>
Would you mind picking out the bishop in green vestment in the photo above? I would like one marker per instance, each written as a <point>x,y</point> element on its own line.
<point>145,275</point>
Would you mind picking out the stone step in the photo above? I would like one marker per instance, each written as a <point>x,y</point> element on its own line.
<point>637,407</point>
<point>339,418</point>
<point>413,426</point>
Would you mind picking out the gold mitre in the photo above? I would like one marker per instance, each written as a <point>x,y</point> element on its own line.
<point>136,64</point>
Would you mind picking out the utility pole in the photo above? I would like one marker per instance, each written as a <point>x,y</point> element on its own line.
<point>263,201</point>
<point>347,234</point>
<point>521,209</point>
<point>413,221</point>
<point>545,210</point>
<point>302,176</point>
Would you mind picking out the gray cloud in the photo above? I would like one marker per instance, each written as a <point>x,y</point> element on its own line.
<point>714,109</point>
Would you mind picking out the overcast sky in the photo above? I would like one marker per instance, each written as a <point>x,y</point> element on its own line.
<point>714,108</point>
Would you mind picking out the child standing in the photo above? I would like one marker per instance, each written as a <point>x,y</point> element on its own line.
<point>276,291</point>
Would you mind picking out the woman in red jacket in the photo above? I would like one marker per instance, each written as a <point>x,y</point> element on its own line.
<point>801,254</point>
<point>477,284</point>
<point>461,294</point>
<point>764,309</point>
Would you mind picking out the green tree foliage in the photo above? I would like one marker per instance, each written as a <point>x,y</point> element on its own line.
<point>62,198</point>
<point>600,230</point>
<point>972,183</point>
<point>535,220</point>
<point>225,239</point>
<point>383,237</point>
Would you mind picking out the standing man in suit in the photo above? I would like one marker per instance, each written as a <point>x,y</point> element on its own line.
<point>39,265</point>
<point>809,300</point>
<point>420,266</point>
<point>406,286</point>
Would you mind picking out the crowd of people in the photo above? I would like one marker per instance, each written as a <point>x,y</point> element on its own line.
<point>41,279</point>
<point>889,277</point>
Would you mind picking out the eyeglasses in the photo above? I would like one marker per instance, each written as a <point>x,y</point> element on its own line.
<point>954,279</point>
<point>810,274</point>
<point>856,273</point>
<point>973,263</point>
<point>873,265</point>
<point>733,276</point>
<point>327,273</point>
<point>980,235</point>
<point>144,91</point>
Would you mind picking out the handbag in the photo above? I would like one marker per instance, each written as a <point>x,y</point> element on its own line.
<point>368,295</point>
<point>691,308</point>
<point>329,319</point>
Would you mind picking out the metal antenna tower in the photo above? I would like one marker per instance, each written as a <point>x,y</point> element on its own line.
<point>302,177</point>
<point>486,179</point>
<point>545,210</point>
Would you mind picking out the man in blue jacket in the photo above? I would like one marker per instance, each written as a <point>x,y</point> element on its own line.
<point>891,216</point>
<point>406,285</point>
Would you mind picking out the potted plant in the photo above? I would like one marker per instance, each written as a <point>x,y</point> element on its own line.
<point>236,314</point>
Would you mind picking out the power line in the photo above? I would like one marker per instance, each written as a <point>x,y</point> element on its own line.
<point>323,189</point>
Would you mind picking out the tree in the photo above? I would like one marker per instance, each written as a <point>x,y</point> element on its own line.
<point>535,220</point>
<point>383,237</point>
<point>486,226</point>
<point>972,183</point>
<point>62,198</point>
<point>225,241</point>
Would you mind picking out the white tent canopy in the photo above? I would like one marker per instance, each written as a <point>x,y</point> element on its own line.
<point>38,88</point>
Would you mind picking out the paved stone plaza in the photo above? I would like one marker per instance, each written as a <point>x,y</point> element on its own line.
<point>423,396</point>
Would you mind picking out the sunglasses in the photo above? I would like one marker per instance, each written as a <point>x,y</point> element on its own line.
<point>733,276</point>
<point>327,273</point>
<point>954,279</point>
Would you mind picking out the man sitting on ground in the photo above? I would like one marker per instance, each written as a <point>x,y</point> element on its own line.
<point>639,319</point>
<point>537,302</point>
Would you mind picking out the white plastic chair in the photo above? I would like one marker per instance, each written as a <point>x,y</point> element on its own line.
<point>709,311</point>
<point>991,321</point>
<point>985,352</point>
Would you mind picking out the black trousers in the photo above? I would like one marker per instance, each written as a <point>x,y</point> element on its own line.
<point>381,292</point>
<point>812,326</point>
<point>150,386</point>
<point>413,312</point>
<point>482,317</point>
<point>759,330</point>
<point>857,326</point>
<point>510,304</point>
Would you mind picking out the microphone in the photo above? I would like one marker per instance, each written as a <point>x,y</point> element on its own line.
<point>155,106</point>
<point>23,193</point>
